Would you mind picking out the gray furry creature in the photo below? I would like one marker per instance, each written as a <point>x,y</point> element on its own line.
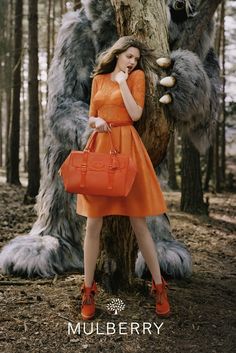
<point>54,243</point>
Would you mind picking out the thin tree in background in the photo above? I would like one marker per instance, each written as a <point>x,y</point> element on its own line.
<point>2,49</point>
<point>48,38</point>
<point>1,137</point>
<point>216,146</point>
<point>62,6</point>
<point>6,35</point>
<point>8,63</point>
<point>15,121</point>
<point>53,27</point>
<point>3,12</point>
<point>24,123</point>
<point>213,154</point>
<point>222,137</point>
<point>49,34</point>
<point>33,142</point>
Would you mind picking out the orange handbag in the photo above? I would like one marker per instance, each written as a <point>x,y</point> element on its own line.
<point>92,173</point>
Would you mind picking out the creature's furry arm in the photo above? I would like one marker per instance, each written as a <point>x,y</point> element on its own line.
<point>69,82</point>
<point>195,95</point>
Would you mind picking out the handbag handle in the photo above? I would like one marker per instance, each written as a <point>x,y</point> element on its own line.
<point>91,143</point>
<point>113,163</point>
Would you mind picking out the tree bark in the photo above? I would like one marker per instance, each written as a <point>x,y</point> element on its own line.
<point>222,140</point>
<point>53,26</point>
<point>209,168</point>
<point>15,123</point>
<point>49,34</point>
<point>216,159</point>
<point>172,181</point>
<point>1,120</point>
<point>23,130</point>
<point>191,191</point>
<point>33,142</point>
<point>147,22</point>
<point>8,82</point>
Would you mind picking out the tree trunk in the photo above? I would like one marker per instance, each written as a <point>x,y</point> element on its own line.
<point>210,152</point>
<point>8,83</point>
<point>172,181</point>
<point>48,39</point>
<point>62,7</point>
<point>53,26</point>
<point>191,183</point>
<point>216,159</point>
<point>15,123</point>
<point>147,21</point>
<point>33,142</point>
<point>1,120</point>
<point>49,34</point>
<point>23,130</point>
<point>209,168</point>
<point>222,140</point>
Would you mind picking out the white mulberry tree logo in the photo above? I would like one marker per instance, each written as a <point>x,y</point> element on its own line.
<point>116,305</point>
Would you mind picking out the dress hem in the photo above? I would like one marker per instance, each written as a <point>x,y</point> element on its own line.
<point>127,215</point>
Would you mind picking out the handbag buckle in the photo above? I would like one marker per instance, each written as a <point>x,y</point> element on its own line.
<point>113,151</point>
<point>83,168</point>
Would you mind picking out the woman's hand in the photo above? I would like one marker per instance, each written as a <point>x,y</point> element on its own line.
<point>121,76</point>
<point>101,125</point>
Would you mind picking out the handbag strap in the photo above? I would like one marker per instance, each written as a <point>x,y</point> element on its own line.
<point>91,143</point>
<point>113,163</point>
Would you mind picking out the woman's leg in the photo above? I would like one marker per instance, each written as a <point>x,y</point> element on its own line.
<point>91,248</point>
<point>146,246</point>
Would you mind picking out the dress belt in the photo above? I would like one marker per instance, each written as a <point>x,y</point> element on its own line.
<point>119,123</point>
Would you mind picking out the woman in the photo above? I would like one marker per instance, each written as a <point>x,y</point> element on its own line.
<point>117,100</point>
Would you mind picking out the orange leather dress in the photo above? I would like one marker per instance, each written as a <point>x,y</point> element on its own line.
<point>145,197</point>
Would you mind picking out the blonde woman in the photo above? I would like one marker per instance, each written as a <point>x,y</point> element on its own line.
<point>117,100</point>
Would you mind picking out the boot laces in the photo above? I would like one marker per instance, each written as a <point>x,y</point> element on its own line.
<point>159,297</point>
<point>88,295</point>
<point>88,298</point>
<point>160,294</point>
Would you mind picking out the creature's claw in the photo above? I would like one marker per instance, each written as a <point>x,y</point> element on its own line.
<point>168,81</point>
<point>166,99</point>
<point>164,62</point>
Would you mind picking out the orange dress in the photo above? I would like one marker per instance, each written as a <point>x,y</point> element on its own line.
<point>145,197</point>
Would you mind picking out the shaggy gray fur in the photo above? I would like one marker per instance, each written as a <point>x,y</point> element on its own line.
<point>196,93</point>
<point>54,244</point>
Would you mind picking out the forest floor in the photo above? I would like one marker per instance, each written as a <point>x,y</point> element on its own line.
<point>35,313</point>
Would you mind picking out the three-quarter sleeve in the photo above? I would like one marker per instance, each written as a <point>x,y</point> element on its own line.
<point>138,87</point>
<point>92,106</point>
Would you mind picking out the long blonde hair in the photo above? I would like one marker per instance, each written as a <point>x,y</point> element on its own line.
<point>106,61</point>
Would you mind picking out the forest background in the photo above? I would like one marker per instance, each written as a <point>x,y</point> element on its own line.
<point>23,101</point>
<point>34,313</point>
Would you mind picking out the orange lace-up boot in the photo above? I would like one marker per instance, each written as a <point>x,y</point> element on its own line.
<point>162,304</point>
<point>88,304</point>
